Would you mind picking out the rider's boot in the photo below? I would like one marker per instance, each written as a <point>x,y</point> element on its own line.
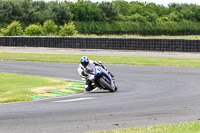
<point>88,86</point>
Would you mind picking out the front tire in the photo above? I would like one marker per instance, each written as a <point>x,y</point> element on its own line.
<point>106,84</point>
<point>116,88</point>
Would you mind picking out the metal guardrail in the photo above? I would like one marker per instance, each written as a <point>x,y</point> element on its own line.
<point>182,45</point>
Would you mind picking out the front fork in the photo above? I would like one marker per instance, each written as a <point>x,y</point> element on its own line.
<point>110,77</point>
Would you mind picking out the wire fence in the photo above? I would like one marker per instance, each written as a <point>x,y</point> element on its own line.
<point>181,45</point>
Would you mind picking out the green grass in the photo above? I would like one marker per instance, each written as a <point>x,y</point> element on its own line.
<point>106,59</point>
<point>14,87</point>
<point>139,36</point>
<point>192,127</point>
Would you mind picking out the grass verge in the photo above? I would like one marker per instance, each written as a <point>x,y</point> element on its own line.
<point>192,127</point>
<point>107,59</point>
<point>140,36</point>
<point>16,87</point>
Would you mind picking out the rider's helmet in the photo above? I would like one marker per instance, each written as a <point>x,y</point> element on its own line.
<point>84,61</point>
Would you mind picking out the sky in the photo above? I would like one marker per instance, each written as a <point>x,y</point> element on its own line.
<point>160,2</point>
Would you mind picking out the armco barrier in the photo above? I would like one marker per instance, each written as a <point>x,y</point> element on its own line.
<point>183,45</point>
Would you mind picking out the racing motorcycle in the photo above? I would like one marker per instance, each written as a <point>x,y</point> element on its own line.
<point>102,79</point>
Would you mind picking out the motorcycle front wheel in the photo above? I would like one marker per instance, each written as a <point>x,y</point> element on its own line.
<point>107,85</point>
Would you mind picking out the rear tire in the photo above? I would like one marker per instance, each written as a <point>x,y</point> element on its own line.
<point>106,84</point>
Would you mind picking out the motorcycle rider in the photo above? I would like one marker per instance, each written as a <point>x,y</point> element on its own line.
<point>86,67</point>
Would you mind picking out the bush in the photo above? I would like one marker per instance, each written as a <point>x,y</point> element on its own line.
<point>33,30</point>
<point>93,27</point>
<point>67,30</point>
<point>1,30</point>
<point>141,28</point>
<point>49,28</point>
<point>189,27</point>
<point>14,29</point>
<point>168,28</point>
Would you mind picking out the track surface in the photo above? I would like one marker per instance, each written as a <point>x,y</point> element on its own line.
<point>147,95</point>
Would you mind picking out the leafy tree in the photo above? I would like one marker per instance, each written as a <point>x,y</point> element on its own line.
<point>110,9</point>
<point>124,7</point>
<point>14,29</point>
<point>173,17</point>
<point>5,11</point>
<point>60,12</point>
<point>137,17</point>
<point>137,7</point>
<point>169,27</point>
<point>85,10</point>
<point>27,11</point>
<point>15,10</point>
<point>197,14</point>
<point>158,10</point>
<point>42,12</point>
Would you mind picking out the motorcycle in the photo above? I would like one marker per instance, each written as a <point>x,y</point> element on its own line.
<point>102,79</point>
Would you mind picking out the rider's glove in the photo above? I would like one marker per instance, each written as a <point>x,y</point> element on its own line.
<point>83,73</point>
<point>101,64</point>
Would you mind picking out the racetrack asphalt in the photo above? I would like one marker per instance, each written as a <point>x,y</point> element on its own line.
<point>148,95</point>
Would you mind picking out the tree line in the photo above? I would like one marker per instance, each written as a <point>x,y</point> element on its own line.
<point>116,17</point>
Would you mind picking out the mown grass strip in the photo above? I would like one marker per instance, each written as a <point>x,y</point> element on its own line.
<point>192,127</point>
<point>38,97</point>
<point>60,92</point>
<point>73,89</point>
<point>15,87</point>
<point>106,59</point>
<point>64,91</point>
<point>78,87</point>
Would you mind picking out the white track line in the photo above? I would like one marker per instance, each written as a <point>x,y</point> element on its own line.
<point>75,99</point>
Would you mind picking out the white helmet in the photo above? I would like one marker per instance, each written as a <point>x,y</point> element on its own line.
<point>84,61</point>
